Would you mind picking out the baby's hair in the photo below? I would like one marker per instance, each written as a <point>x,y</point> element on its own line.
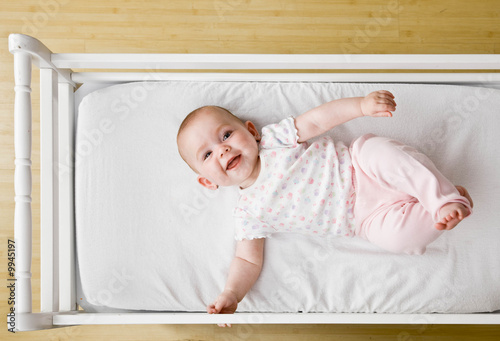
<point>193,114</point>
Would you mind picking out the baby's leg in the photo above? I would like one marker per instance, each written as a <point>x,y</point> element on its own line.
<point>404,227</point>
<point>400,195</point>
<point>403,169</point>
<point>453,213</point>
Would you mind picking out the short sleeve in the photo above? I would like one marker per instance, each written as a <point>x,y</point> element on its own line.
<point>280,135</point>
<point>248,226</point>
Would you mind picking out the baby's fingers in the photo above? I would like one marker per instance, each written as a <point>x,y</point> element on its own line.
<point>385,92</point>
<point>211,309</point>
<point>385,99</point>
<point>384,110</point>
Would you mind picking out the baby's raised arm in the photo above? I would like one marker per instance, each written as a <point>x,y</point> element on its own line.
<point>244,271</point>
<point>323,118</point>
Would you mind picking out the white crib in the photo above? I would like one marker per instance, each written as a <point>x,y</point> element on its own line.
<point>58,83</point>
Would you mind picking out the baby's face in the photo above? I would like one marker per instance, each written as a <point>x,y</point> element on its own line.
<point>223,150</point>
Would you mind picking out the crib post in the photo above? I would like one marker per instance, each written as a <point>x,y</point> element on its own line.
<point>22,181</point>
<point>28,50</point>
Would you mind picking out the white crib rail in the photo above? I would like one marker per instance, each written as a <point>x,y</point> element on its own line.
<point>277,61</point>
<point>57,228</point>
<point>58,298</point>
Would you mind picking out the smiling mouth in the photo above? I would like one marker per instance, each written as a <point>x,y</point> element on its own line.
<point>233,163</point>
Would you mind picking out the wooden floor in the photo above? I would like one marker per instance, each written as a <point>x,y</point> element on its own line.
<point>229,26</point>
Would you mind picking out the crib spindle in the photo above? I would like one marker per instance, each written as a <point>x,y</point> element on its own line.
<point>22,181</point>
<point>67,282</point>
<point>49,223</point>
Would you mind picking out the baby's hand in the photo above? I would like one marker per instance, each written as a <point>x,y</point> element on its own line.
<point>378,104</point>
<point>226,303</point>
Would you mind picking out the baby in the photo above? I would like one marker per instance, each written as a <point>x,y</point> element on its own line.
<point>378,189</point>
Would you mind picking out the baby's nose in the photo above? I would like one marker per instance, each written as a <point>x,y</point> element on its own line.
<point>225,149</point>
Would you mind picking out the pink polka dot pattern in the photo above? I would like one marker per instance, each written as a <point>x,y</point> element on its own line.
<point>301,188</point>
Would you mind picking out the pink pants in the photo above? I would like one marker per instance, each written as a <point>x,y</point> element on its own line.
<point>399,193</point>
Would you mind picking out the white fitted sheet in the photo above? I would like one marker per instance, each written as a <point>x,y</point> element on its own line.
<point>150,238</point>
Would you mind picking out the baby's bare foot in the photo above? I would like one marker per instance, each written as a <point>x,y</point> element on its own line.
<point>453,213</point>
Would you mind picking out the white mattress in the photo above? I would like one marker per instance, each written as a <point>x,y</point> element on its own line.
<point>150,238</point>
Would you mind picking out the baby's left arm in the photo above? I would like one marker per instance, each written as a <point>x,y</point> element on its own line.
<point>323,118</point>
<point>243,272</point>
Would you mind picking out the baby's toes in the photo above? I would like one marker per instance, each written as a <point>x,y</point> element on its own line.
<point>447,218</point>
<point>440,226</point>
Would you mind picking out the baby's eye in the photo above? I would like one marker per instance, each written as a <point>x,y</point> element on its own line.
<point>226,136</point>
<point>207,155</point>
